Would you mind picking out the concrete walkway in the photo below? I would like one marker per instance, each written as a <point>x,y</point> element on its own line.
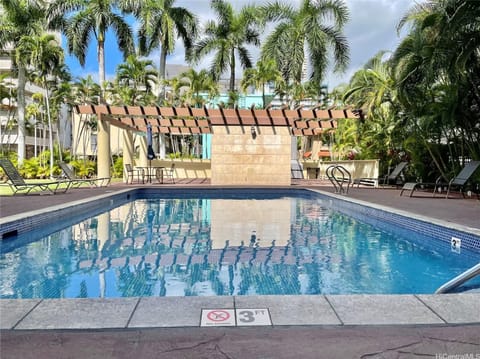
<point>331,326</point>
<point>305,342</point>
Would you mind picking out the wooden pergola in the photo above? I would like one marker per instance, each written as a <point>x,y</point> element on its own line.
<point>189,120</point>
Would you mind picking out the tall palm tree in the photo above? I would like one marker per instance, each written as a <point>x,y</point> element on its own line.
<point>227,38</point>
<point>20,18</point>
<point>160,24</point>
<point>44,54</point>
<point>79,20</point>
<point>315,27</point>
<point>266,71</point>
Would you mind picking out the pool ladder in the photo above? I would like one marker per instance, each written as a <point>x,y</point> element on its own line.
<point>339,176</point>
<point>459,280</point>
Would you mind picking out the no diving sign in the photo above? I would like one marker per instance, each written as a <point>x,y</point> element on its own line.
<point>231,317</point>
<point>219,317</point>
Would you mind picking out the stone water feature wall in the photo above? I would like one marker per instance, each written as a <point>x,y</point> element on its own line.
<point>240,157</point>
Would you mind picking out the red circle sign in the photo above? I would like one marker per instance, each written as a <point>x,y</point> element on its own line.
<point>218,315</point>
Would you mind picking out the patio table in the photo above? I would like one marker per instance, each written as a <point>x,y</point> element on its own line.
<point>152,172</point>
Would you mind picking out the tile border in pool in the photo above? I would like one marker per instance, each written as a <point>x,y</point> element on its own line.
<point>336,310</point>
<point>375,214</point>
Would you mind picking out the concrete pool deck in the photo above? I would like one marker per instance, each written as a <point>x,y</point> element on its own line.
<point>330,326</point>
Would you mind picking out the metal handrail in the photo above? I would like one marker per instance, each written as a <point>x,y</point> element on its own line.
<point>338,182</point>
<point>331,177</point>
<point>459,280</point>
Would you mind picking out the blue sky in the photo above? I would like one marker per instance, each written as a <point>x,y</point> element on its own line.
<point>372,28</point>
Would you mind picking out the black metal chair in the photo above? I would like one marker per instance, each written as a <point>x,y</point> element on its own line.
<point>460,180</point>
<point>134,172</point>
<point>169,173</point>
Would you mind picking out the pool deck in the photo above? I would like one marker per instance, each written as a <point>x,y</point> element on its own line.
<point>325,326</point>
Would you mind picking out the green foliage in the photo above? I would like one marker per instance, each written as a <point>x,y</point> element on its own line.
<point>117,168</point>
<point>84,168</point>
<point>178,155</point>
<point>31,168</point>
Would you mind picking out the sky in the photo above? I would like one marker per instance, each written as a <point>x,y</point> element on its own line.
<point>372,28</point>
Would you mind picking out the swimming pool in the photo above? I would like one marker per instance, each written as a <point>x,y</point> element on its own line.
<point>229,242</point>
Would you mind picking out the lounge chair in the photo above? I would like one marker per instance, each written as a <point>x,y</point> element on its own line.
<point>460,180</point>
<point>413,186</point>
<point>77,182</point>
<point>392,178</point>
<point>19,186</point>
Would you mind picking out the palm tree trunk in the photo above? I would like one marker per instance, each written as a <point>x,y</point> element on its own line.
<point>162,73</point>
<point>21,113</point>
<point>232,70</point>
<point>101,67</point>
<point>50,128</point>
<point>263,95</point>
<point>161,93</point>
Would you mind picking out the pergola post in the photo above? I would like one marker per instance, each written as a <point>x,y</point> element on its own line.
<point>128,150</point>
<point>103,148</point>
<point>142,158</point>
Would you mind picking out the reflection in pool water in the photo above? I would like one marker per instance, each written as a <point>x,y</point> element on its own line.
<point>200,247</point>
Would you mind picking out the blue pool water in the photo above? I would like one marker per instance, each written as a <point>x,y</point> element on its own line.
<point>232,243</point>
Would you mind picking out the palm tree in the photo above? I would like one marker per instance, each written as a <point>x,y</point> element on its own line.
<point>227,37</point>
<point>295,94</point>
<point>85,91</point>
<point>20,18</point>
<point>44,54</point>
<point>173,90</point>
<point>373,86</point>
<point>61,96</point>
<point>197,82</point>
<point>313,28</point>
<point>79,20</point>
<point>266,71</point>
<point>374,89</point>
<point>160,23</point>
<point>136,78</point>
<point>437,67</point>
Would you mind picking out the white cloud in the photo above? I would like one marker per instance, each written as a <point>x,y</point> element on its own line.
<point>372,28</point>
